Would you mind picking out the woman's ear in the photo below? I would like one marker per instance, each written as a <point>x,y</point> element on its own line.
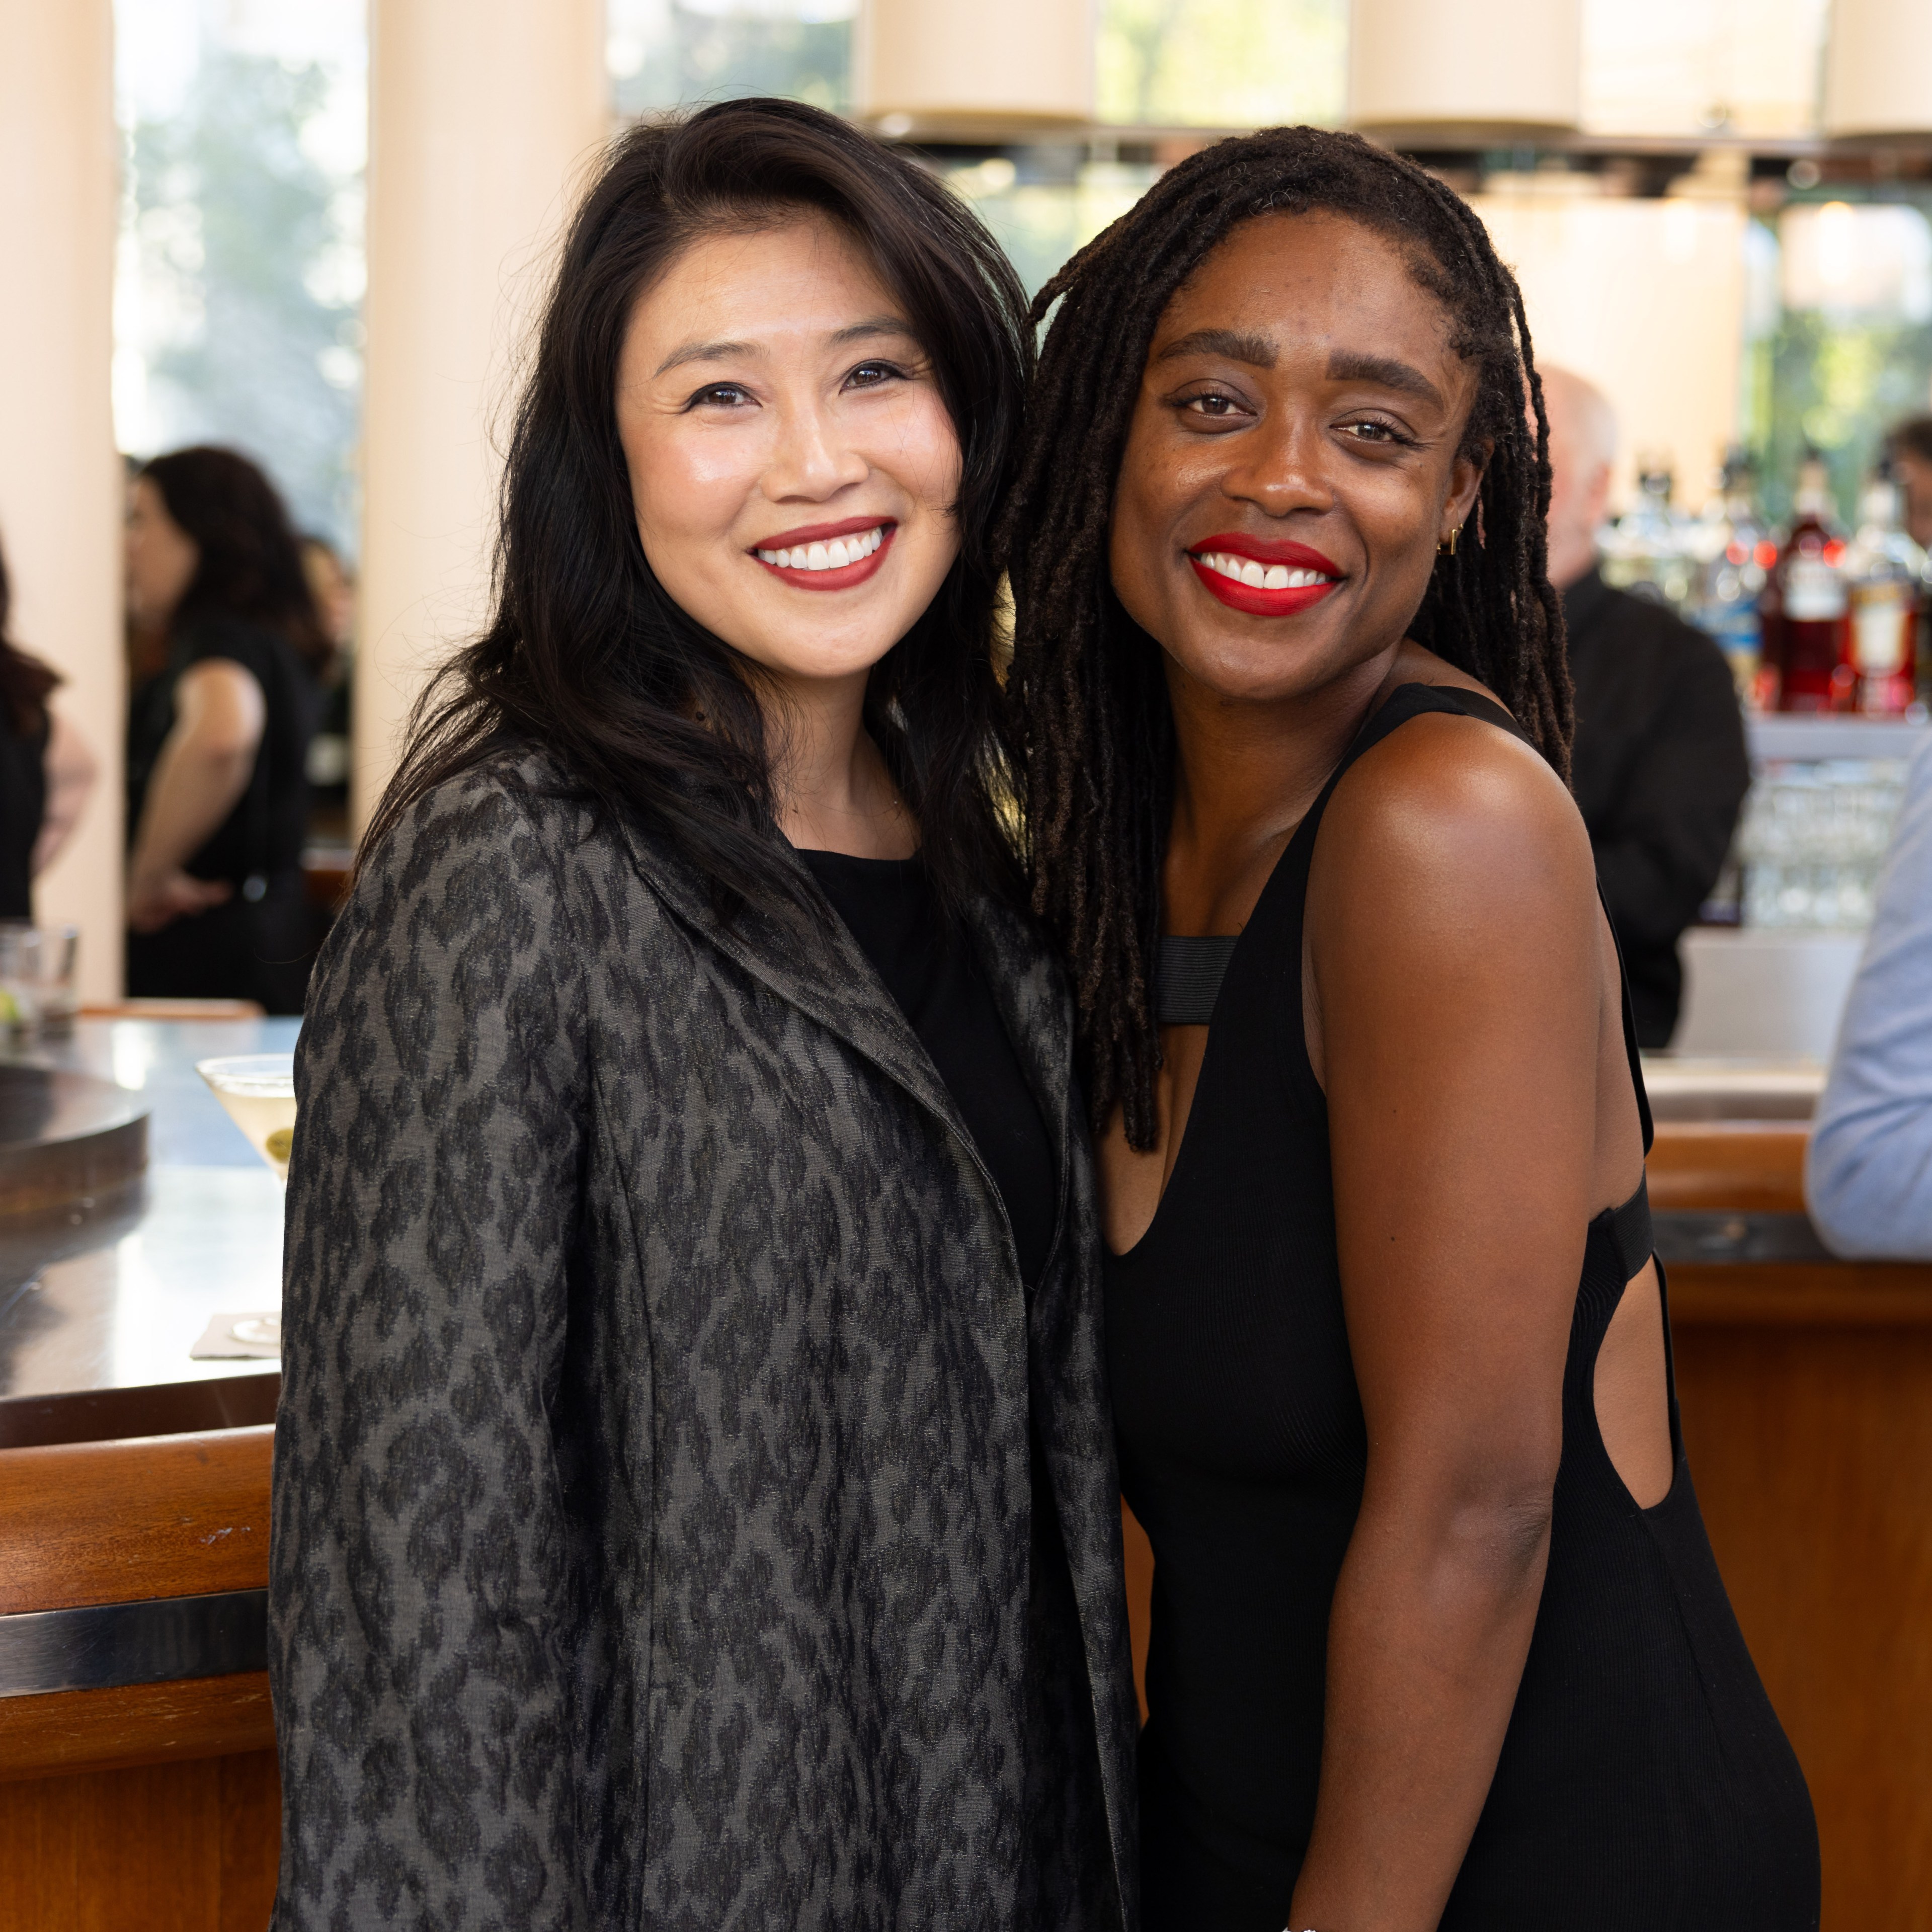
<point>1465,478</point>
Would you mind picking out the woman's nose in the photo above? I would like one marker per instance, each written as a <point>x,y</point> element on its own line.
<point>1281,470</point>
<point>814,457</point>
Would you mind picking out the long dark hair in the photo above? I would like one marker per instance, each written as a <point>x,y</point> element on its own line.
<point>250,564</point>
<point>649,713</point>
<point>25,681</point>
<point>1096,727</point>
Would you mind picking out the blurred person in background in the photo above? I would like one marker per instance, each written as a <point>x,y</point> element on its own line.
<point>217,790</point>
<point>1659,767</point>
<point>1868,1171</point>
<point>47,770</point>
<point>1909,446</point>
<point>332,584</point>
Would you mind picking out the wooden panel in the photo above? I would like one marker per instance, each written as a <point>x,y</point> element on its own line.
<point>166,1848</point>
<point>138,1723</point>
<point>103,1523</point>
<point>1781,1294</point>
<point>1745,1166</point>
<point>1812,1454</point>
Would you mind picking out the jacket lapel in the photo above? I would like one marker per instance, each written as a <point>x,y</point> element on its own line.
<point>824,973</point>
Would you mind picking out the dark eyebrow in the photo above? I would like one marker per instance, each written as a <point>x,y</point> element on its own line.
<point>880,324</point>
<point>723,351</point>
<point>704,352</point>
<point>1256,350</point>
<point>1384,372</point>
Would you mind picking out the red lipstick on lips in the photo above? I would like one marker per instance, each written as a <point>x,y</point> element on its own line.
<point>1253,598</point>
<point>847,575</point>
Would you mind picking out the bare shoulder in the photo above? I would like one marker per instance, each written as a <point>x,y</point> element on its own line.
<point>1451,820</point>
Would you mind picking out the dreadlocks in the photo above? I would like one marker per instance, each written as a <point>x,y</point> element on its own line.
<point>1096,729</point>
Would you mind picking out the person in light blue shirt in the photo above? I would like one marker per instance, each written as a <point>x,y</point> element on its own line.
<point>1868,1176</point>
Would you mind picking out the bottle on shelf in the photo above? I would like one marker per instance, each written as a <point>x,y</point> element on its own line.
<point>1735,554</point>
<point>1884,582</point>
<point>1647,551</point>
<point>1803,606</point>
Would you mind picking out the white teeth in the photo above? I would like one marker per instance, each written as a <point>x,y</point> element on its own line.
<point>833,556</point>
<point>1272,577</point>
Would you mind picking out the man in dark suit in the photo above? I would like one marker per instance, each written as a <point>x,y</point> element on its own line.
<point>1659,768</point>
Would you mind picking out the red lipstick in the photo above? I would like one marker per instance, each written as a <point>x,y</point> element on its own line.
<point>843,576</point>
<point>1270,554</point>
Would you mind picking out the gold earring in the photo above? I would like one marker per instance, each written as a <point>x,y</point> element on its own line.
<point>1448,546</point>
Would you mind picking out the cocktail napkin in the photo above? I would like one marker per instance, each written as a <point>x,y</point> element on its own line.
<point>220,1343</point>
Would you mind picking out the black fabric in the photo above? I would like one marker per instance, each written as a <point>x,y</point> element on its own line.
<point>1188,980</point>
<point>888,907</point>
<point>1660,769</point>
<point>23,803</point>
<point>1644,1779</point>
<point>258,945</point>
<point>262,836</point>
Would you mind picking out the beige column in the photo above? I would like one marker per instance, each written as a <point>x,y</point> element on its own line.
<point>482,115</point>
<point>60,490</point>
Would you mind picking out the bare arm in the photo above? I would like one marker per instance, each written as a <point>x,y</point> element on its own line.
<point>203,769</point>
<point>1455,987</point>
<point>70,770</point>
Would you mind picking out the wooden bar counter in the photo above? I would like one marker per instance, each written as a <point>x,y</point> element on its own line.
<point>137,1776</point>
<point>1805,1385</point>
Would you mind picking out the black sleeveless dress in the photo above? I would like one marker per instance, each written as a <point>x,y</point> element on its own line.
<point>1644,1779</point>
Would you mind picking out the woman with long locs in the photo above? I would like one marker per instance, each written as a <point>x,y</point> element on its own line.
<point>695,1502</point>
<point>1438,1636</point>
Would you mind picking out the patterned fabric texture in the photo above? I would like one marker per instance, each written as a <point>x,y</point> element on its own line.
<point>683,1517</point>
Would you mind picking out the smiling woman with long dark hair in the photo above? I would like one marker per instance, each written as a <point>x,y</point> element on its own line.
<point>1437,1638</point>
<point>695,1496</point>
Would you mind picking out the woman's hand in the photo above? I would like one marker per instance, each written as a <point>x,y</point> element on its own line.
<point>1456,1008</point>
<point>157,899</point>
<point>204,767</point>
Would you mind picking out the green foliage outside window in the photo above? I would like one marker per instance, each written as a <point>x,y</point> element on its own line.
<point>252,287</point>
<point>1222,63</point>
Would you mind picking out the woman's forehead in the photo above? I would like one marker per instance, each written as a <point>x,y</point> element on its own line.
<point>1288,281</point>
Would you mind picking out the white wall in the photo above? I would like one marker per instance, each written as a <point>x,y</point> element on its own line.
<point>1646,298</point>
<point>60,488</point>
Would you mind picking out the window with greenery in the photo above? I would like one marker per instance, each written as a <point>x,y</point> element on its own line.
<point>671,53</point>
<point>238,298</point>
<point>1222,63</point>
<point>1838,331</point>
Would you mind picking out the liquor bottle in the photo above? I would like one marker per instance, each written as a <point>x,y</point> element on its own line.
<point>1804,604</point>
<point>1735,554</point>
<point>1647,551</point>
<point>1884,572</point>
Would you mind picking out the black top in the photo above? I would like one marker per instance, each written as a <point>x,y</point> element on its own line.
<point>23,803</point>
<point>1643,1780</point>
<point>888,906</point>
<point>262,837</point>
<point>1660,769</point>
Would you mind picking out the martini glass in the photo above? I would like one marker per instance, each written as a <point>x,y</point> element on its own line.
<point>258,1091</point>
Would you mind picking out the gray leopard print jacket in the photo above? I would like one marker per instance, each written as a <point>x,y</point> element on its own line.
<point>683,1517</point>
